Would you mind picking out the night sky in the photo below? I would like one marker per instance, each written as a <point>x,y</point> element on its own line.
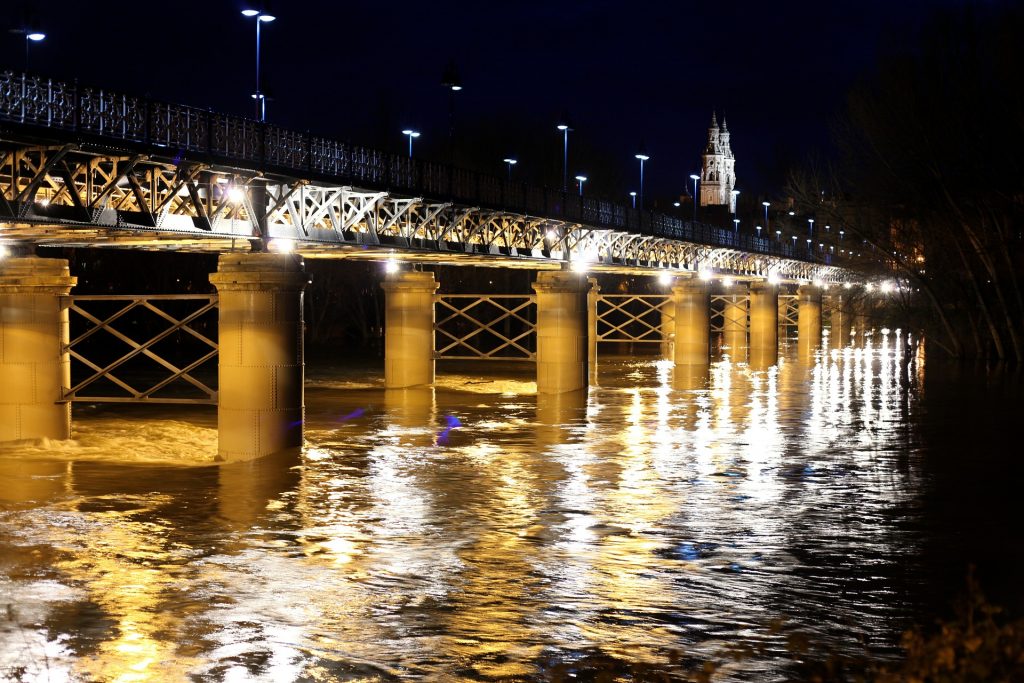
<point>626,72</point>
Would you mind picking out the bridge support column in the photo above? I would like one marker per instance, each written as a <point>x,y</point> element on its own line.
<point>734,324</point>
<point>862,320</point>
<point>409,329</point>
<point>842,321</point>
<point>561,332</point>
<point>593,292</point>
<point>693,330</point>
<point>667,312</point>
<point>764,324</point>
<point>808,320</point>
<point>260,399</point>
<point>34,366</point>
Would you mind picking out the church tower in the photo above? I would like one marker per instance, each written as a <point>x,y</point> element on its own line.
<point>718,168</point>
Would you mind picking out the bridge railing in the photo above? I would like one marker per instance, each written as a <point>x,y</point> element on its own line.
<point>182,130</point>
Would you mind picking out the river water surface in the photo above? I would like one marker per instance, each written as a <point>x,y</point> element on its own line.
<point>477,531</point>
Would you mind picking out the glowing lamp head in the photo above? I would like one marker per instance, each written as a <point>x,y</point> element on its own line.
<point>563,127</point>
<point>773,278</point>
<point>887,287</point>
<point>35,36</point>
<point>632,194</point>
<point>267,18</point>
<point>250,12</point>
<point>411,133</point>
<point>235,194</point>
<point>766,204</point>
<point>665,278</point>
<point>694,176</point>
<point>704,274</point>
<point>510,161</point>
<point>391,266</point>
<point>642,157</point>
<point>282,245</point>
<point>581,178</point>
<point>727,282</point>
<point>675,204</point>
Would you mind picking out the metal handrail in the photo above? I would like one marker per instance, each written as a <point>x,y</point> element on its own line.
<point>180,130</point>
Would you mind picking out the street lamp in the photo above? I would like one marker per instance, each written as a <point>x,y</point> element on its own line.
<point>32,35</point>
<point>778,235</point>
<point>642,156</point>
<point>733,195</point>
<point>262,17</point>
<point>451,82</point>
<point>412,134</point>
<point>565,128</point>
<point>736,223</point>
<point>510,162</point>
<point>766,205</point>
<point>632,195</point>
<point>810,227</point>
<point>694,177</point>
<point>758,232</point>
<point>581,179</point>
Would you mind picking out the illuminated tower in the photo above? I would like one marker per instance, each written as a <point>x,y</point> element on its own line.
<point>718,168</point>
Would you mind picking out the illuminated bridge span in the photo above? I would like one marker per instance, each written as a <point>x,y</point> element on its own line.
<point>82,166</point>
<point>86,167</point>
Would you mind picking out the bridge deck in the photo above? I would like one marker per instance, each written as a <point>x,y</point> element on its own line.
<point>88,167</point>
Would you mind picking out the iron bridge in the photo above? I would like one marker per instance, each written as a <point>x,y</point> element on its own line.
<point>83,166</point>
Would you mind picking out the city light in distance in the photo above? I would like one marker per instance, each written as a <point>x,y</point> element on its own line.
<point>887,287</point>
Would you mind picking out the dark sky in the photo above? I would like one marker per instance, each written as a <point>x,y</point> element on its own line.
<point>626,72</point>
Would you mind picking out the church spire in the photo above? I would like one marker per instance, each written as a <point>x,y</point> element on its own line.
<point>714,119</point>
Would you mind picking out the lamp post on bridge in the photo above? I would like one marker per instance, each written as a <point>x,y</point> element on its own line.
<point>262,17</point>
<point>510,162</point>
<point>412,134</point>
<point>642,156</point>
<point>695,178</point>
<point>581,179</point>
<point>632,195</point>
<point>32,35</point>
<point>766,205</point>
<point>565,127</point>
<point>451,82</point>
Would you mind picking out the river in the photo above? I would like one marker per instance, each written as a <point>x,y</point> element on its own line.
<point>476,531</point>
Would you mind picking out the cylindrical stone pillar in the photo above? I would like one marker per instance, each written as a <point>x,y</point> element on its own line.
<point>693,331</point>
<point>734,323</point>
<point>667,311</point>
<point>764,324</point>
<point>260,398</point>
<point>593,292</point>
<point>561,332</point>
<point>34,365</point>
<point>841,321</point>
<point>808,320</point>
<point>409,329</point>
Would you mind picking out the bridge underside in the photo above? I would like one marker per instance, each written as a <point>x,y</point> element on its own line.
<point>72,195</point>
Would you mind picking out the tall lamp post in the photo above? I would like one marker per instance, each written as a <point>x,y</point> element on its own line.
<point>412,134</point>
<point>733,194</point>
<point>262,17</point>
<point>565,127</point>
<point>632,195</point>
<point>766,205</point>
<point>695,178</point>
<point>581,179</point>
<point>451,82</point>
<point>510,162</point>
<point>32,35</point>
<point>642,156</point>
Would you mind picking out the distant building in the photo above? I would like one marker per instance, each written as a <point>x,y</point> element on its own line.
<point>718,169</point>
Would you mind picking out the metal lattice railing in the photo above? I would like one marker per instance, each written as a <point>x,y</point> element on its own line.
<point>164,343</point>
<point>721,312</point>
<point>486,327</point>
<point>630,317</point>
<point>789,312</point>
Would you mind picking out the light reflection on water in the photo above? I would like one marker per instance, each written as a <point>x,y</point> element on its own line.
<point>662,511</point>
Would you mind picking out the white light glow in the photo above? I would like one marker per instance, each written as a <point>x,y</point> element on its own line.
<point>888,287</point>
<point>869,287</point>
<point>665,278</point>
<point>773,278</point>
<point>235,195</point>
<point>847,285</point>
<point>727,282</point>
<point>551,235</point>
<point>35,36</point>
<point>3,251</point>
<point>704,274</point>
<point>391,266</point>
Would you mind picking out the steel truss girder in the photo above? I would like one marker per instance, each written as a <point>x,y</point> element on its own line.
<point>789,310</point>
<point>728,308</point>
<point>66,188</point>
